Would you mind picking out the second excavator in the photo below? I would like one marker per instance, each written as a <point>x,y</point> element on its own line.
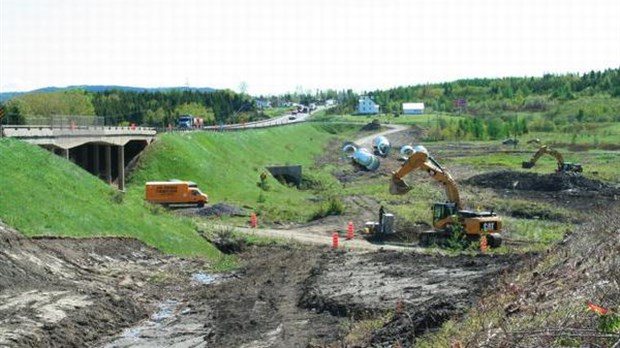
<point>448,217</point>
<point>563,167</point>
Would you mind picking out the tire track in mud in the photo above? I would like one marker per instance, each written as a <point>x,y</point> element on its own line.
<point>429,288</point>
<point>67,292</point>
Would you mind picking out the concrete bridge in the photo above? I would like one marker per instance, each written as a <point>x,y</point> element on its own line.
<point>104,151</point>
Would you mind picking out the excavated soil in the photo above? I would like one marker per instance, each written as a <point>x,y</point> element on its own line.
<point>433,288</point>
<point>117,292</point>
<point>509,180</point>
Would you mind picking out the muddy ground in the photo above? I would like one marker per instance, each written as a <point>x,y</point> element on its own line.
<point>118,292</point>
<point>112,292</point>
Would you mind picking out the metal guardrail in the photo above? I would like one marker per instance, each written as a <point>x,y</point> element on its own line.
<point>63,121</point>
<point>46,132</point>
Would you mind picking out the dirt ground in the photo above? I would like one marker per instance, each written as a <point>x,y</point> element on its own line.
<point>111,292</point>
<point>118,292</point>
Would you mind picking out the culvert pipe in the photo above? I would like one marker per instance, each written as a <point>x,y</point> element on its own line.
<point>366,159</point>
<point>406,151</point>
<point>349,149</point>
<point>381,146</point>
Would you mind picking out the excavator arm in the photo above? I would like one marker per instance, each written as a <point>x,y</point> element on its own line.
<point>541,151</point>
<point>423,161</point>
<point>529,164</point>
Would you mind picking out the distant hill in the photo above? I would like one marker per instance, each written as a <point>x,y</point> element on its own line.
<point>102,88</point>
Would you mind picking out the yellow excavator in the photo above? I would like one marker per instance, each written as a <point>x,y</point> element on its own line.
<point>563,167</point>
<point>450,216</point>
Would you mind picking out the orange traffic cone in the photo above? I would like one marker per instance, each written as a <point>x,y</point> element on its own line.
<point>350,230</point>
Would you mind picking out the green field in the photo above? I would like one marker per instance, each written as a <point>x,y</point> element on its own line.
<point>43,194</point>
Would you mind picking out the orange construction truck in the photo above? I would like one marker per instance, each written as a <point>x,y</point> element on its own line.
<point>174,192</point>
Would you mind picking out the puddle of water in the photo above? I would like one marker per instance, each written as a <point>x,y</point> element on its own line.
<point>165,311</point>
<point>204,278</point>
<point>134,336</point>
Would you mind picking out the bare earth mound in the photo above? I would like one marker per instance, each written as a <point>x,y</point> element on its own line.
<point>510,180</point>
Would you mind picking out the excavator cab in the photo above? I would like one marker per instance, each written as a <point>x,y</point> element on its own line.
<point>527,165</point>
<point>570,167</point>
<point>443,210</point>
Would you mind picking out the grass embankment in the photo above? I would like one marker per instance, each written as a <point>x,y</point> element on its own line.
<point>43,194</point>
<point>276,111</point>
<point>227,166</point>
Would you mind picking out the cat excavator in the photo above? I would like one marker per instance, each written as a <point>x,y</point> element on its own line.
<point>448,217</point>
<point>563,167</point>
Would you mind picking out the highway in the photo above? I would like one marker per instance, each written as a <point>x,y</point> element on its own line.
<point>276,121</point>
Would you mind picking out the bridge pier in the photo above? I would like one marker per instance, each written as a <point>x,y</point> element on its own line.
<point>121,168</point>
<point>84,157</point>
<point>107,175</point>
<point>96,166</point>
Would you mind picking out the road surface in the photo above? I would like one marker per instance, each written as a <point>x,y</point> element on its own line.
<point>301,236</point>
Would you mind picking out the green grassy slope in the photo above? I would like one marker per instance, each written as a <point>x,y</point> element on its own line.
<point>42,194</point>
<point>227,166</point>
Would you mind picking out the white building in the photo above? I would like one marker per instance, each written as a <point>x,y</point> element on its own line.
<point>413,108</point>
<point>367,106</point>
<point>263,104</point>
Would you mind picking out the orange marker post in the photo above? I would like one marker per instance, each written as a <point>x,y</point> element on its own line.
<point>483,244</point>
<point>335,240</point>
<point>253,220</point>
<point>350,230</point>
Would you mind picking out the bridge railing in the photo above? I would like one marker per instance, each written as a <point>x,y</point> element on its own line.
<point>65,121</point>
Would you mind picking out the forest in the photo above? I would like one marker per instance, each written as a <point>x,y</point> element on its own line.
<point>507,107</point>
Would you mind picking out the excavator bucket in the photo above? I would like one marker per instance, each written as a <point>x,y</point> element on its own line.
<point>399,187</point>
<point>527,165</point>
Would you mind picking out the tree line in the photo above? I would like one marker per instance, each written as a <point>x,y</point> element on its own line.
<point>158,109</point>
<point>496,108</point>
<point>483,96</point>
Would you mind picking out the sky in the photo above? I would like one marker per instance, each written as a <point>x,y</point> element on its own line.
<point>270,47</point>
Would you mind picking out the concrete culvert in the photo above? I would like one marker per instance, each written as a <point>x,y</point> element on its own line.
<point>289,174</point>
